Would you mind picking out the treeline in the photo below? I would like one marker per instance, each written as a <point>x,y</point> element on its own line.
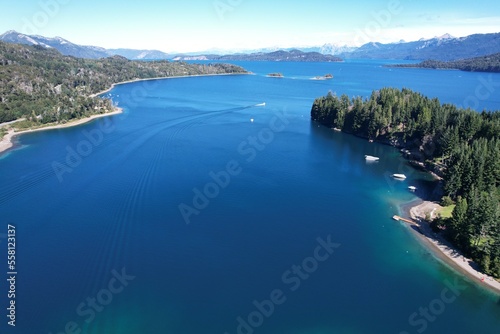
<point>44,86</point>
<point>489,63</point>
<point>461,144</point>
<point>472,179</point>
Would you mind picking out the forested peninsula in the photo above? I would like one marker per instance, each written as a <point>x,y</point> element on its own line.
<point>489,63</point>
<point>461,145</point>
<point>43,87</point>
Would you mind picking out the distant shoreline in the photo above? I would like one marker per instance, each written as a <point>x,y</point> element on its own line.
<point>162,78</point>
<point>441,248</point>
<point>7,143</point>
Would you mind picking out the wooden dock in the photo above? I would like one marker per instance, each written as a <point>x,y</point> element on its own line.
<point>409,221</point>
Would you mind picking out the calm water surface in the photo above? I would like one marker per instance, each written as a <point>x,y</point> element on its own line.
<point>198,211</point>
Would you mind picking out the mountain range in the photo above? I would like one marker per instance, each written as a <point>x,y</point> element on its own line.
<point>281,55</point>
<point>443,48</point>
<point>68,48</point>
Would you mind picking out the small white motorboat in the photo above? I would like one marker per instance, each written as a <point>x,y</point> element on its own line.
<point>371,158</point>
<point>399,176</point>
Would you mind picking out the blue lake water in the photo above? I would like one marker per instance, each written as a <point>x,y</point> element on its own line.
<point>198,211</point>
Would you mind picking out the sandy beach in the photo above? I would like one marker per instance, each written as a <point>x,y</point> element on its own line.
<point>444,250</point>
<point>7,140</point>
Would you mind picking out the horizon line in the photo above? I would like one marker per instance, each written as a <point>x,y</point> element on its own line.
<point>221,50</point>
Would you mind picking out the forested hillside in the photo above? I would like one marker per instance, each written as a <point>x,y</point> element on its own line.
<point>462,145</point>
<point>44,86</point>
<point>489,63</point>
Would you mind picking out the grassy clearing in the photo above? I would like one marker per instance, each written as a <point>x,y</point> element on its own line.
<point>446,211</point>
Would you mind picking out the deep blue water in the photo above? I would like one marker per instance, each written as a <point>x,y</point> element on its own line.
<point>103,247</point>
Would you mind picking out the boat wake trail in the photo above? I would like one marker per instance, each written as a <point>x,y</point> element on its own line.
<point>133,141</point>
<point>121,231</point>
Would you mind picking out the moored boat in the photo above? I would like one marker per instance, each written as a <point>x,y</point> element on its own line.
<point>371,158</point>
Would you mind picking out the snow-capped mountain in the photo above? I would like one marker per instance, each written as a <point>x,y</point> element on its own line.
<point>443,48</point>
<point>139,54</point>
<point>445,36</point>
<point>335,49</point>
<point>68,48</point>
<point>64,46</point>
<point>12,36</point>
<point>281,55</point>
<point>326,49</point>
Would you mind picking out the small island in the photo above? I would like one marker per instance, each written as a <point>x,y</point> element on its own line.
<point>324,77</point>
<point>276,75</point>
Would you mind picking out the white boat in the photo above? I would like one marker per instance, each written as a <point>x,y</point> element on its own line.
<point>263,104</point>
<point>412,188</point>
<point>399,176</point>
<point>371,158</point>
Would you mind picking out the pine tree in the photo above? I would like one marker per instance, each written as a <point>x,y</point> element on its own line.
<point>457,228</point>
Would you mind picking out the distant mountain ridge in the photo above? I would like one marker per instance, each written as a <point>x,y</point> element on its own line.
<point>444,48</point>
<point>68,48</point>
<point>281,55</point>
<point>133,54</point>
<point>64,46</point>
<point>326,49</point>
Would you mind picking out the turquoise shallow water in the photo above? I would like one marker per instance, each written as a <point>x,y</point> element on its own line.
<point>103,247</point>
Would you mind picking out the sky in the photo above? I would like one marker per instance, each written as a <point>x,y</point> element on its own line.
<point>201,25</point>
